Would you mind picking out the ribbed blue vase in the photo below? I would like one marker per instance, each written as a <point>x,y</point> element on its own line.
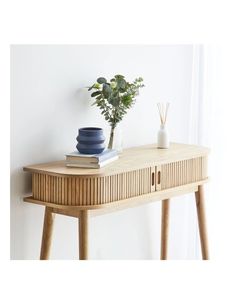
<point>90,140</point>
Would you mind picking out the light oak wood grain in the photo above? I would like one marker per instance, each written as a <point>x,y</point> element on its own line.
<point>141,175</point>
<point>164,228</point>
<point>80,190</point>
<point>125,203</point>
<point>47,233</point>
<point>83,235</point>
<point>130,159</point>
<point>202,222</point>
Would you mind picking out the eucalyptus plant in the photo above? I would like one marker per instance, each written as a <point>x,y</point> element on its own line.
<point>114,98</point>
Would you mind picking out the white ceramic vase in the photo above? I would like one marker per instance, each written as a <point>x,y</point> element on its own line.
<point>163,138</point>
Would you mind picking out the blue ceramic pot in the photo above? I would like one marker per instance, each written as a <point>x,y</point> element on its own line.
<point>90,140</point>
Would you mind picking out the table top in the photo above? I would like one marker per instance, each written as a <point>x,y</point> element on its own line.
<point>130,159</point>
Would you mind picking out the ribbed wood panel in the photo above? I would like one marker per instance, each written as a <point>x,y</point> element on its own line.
<point>85,191</point>
<point>79,191</point>
<point>183,172</point>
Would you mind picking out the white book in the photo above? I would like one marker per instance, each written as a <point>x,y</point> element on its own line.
<point>92,165</point>
<point>91,158</point>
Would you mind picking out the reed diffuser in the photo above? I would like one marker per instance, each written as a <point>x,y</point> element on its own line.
<point>162,137</point>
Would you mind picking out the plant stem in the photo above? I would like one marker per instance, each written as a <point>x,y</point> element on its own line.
<point>110,145</point>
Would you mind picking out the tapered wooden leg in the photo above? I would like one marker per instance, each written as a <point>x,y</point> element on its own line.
<point>199,195</point>
<point>83,235</point>
<point>47,233</point>
<point>164,228</point>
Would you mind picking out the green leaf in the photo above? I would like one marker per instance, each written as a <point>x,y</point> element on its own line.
<point>121,84</point>
<point>96,93</point>
<point>127,100</point>
<point>99,97</point>
<point>91,88</point>
<point>106,90</point>
<point>101,80</point>
<point>114,101</point>
<point>119,76</point>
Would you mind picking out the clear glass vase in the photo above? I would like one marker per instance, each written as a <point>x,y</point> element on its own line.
<point>117,142</point>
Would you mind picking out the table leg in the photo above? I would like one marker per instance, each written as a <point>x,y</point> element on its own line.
<point>47,233</point>
<point>83,235</point>
<point>164,228</point>
<point>199,195</point>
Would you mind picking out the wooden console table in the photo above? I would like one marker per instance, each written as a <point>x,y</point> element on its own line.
<point>141,175</point>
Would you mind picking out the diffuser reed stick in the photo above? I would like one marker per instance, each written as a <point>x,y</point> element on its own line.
<point>162,138</point>
<point>163,111</point>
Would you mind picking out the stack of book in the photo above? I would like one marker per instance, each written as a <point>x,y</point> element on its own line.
<point>96,161</point>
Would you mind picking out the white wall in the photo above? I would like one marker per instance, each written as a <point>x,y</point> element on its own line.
<point>49,104</point>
